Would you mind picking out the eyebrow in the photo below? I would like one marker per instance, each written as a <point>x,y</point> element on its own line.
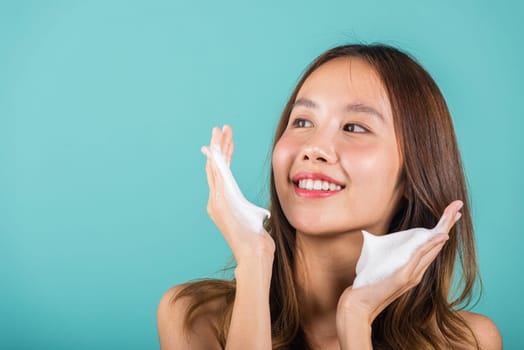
<point>352,107</point>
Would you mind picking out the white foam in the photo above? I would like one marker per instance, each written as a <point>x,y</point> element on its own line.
<point>246,212</point>
<point>381,256</point>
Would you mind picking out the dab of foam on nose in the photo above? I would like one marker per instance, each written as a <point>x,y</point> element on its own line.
<point>245,212</point>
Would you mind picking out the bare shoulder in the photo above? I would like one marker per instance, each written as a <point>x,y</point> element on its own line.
<point>170,322</point>
<point>485,330</point>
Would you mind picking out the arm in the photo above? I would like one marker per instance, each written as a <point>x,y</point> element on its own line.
<point>353,332</point>
<point>241,225</point>
<point>240,222</point>
<point>250,326</point>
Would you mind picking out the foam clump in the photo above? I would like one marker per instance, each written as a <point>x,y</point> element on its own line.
<point>381,256</point>
<point>244,211</point>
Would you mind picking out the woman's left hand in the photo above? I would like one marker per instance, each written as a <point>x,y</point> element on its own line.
<point>362,305</point>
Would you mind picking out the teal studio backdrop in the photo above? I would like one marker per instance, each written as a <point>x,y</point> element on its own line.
<point>104,106</point>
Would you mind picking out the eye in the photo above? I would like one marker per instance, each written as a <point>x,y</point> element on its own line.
<point>352,127</point>
<point>302,123</point>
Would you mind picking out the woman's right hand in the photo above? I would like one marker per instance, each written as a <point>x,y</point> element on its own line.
<point>368,301</point>
<point>245,244</point>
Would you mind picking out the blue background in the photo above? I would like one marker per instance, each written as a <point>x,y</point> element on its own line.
<point>104,106</point>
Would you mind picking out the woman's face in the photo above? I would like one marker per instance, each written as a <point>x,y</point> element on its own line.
<point>337,165</point>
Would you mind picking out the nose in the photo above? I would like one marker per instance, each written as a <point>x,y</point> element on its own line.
<point>319,150</point>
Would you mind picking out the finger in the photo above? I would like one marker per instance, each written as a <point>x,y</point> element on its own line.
<point>421,269</point>
<point>227,135</point>
<point>210,174</point>
<point>427,259</point>
<point>416,260</point>
<point>216,136</point>
<point>218,181</point>
<point>436,246</point>
<point>430,245</point>
<point>229,155</point>
<point>215,180</point>
<point>449,217</point>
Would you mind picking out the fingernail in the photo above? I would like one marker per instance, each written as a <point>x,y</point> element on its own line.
<point>460,205</point>
<point>458,216</point>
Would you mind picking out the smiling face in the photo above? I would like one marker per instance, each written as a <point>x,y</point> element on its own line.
<point>337,165</point>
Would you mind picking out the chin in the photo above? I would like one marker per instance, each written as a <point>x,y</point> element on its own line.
<point>318,225</point>
<point>317,228</point>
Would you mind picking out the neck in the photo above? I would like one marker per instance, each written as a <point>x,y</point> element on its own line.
<point>324,268</point>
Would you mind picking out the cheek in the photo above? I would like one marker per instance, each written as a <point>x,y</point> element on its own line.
<point>374,166</point>
<point>358,161</point>
<point>281,158</point>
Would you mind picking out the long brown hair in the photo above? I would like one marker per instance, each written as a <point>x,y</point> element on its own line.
<point>433,177</point>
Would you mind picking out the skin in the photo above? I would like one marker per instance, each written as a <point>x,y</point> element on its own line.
<point>358,149</point>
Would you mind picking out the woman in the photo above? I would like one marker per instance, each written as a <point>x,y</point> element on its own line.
<point>369,126</point>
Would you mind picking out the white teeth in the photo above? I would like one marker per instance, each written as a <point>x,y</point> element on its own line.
<point>309,184</point>
<point>318,185</point>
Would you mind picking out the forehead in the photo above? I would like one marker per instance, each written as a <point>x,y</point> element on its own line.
<point>346,80</point>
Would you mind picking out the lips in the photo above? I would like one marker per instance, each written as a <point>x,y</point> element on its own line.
<point>316,185</point>
<point>314,177</point>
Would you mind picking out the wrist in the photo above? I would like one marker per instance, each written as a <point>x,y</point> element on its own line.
<point>353,329</point>
<point>350,319</point>
<point>259,249</point>
<point>255,261</point>
<point>354,333</point>
<point>352,310</point>
<point>254,271</point>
